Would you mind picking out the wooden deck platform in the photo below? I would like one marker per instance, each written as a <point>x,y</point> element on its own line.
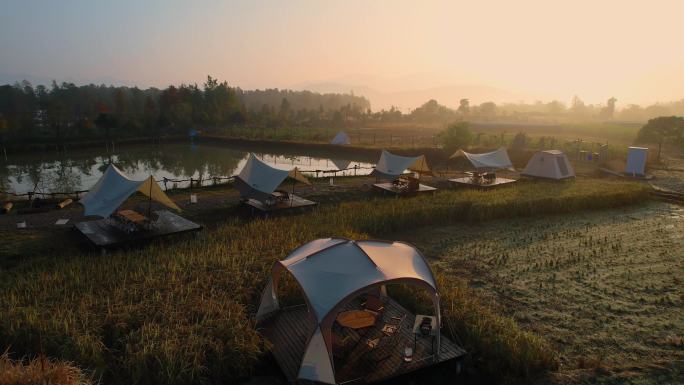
<point>295,202</point>
<point>289,329</point>
<point>468,182</point>
<point>102,233</point>
<point>388,188</point>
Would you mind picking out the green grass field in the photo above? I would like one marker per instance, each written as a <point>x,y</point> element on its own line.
<point>180,312</point>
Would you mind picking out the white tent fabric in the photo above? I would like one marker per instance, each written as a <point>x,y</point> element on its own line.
<point>314,366</point>
<point>552,164</point>
<point>258,180</point>
<point>341,139</point>
<point>636,160</point>
<point>488,161</point>
<point>333,271</point>
<point>114,188</point>
<point>260,176</point>
<point>391,166</point>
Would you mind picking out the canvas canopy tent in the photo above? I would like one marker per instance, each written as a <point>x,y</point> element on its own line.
<point>341,139</point>
<point>552,164</point>
<point>258,180</point>
<point>636,160</point>
<point>488,161</point>
<point>333,271</point>
<point>391,166</point>
<point>114,188</point>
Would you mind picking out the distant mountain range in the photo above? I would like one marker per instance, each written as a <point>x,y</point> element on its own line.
<point>412,98</point>
<point>404,93</point>
<point>6,78</point>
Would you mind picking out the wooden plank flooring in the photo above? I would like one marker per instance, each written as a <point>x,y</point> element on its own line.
<point>289,330</point>
<point>102,233</point>
<point>467,182</point>
<point>294,202</point>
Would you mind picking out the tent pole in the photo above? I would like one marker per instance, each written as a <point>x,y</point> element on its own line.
<point>149,202</point>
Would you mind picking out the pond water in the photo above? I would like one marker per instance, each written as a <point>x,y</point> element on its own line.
<point>79,170</point>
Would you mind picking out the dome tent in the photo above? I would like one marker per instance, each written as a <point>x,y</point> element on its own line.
<point>331,272</point>
<point>341,139</point>
<point>551,164</point>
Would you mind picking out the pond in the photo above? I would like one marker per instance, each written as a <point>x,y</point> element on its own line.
<point>48,172</point>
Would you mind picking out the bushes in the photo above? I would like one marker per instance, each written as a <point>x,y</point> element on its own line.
<point>178,312</point>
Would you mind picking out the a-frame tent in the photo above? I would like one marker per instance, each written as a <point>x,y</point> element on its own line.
<point>258,180</point>
<point>495,160</point>
<point>113,188</point>
<point>391,166</point>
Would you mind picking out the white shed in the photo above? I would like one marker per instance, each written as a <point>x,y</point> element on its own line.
<point>636,160</point>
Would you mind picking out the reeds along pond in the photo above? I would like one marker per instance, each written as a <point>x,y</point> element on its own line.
<point>180,312</point>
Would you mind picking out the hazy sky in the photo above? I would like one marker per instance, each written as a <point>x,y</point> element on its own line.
<point>632,50</point>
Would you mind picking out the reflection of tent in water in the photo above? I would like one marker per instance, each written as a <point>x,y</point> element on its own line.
<point>341,164</point>
<point>341,138</point>
<point>109,193</point>
<point>335,275</point>
<point>258,183</point>
<point>484,165</point>
<point>551,164</point>
<point>391,167</point>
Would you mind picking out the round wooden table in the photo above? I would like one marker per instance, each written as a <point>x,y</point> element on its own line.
<point>356,319</point>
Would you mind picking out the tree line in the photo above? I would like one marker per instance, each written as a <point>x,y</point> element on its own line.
<point>66,111</point>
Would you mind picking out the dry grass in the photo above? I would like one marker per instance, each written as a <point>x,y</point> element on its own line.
<point>179,313</point>
<point>40,371</point>
<point>604,288</point>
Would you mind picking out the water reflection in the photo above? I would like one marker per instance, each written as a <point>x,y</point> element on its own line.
<point>45,172</point>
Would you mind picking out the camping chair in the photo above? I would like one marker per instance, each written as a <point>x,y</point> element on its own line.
<point>374,305</point>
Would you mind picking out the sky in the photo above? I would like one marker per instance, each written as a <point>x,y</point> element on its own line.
<point>631,50</point>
